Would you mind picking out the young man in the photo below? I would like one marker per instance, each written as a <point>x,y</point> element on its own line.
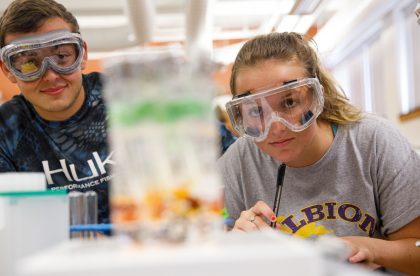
<point>57,125</point>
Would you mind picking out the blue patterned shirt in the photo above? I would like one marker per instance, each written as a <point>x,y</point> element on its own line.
<point>73,154</point>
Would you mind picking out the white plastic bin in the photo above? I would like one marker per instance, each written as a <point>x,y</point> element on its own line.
<point>30,221</point>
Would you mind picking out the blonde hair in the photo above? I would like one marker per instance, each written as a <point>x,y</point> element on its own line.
<point>290,46</point>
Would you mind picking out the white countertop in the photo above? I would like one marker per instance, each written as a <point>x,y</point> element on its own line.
<point>230,254</point>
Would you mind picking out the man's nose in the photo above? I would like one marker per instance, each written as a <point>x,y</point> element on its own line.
<point>50,74</point>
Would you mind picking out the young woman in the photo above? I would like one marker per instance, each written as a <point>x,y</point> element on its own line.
<point>309,163</point>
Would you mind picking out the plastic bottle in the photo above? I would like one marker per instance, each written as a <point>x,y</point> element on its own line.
<point>164,136</point>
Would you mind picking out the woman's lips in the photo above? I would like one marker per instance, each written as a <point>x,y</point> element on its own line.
<point>53,90</point>
<point>281,143</point>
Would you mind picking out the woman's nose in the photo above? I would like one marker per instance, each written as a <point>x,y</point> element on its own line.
<point>277,128</point>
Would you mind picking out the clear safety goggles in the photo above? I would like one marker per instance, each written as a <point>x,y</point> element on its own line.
<point>28,58</point>
<point>296,105</point>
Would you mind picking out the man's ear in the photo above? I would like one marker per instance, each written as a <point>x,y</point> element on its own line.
<point>85,55</point>
<point>7,72</point>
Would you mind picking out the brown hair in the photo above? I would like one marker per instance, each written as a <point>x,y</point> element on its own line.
<point>23,16</point>
<point>293,46</point>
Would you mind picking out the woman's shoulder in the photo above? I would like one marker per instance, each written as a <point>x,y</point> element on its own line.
<point>374,129</point>
<point>375,119</point>
<point>372,124</point>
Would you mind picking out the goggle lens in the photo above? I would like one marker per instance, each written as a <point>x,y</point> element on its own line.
<point>29,57</point>
<point>30,61</point>
<point>294,105</point>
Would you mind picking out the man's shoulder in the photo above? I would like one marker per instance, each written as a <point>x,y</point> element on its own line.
<point>17,99</point>
<point>92,81</point>
<point>15,118</point>
<point>93,77</point>
<point>14,109</point>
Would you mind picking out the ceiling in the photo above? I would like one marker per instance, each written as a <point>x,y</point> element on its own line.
<point>216,26</point>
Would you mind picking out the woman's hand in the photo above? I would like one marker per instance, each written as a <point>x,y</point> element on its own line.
<point>361,251</point>
<point>253,218</point>
<point>398,253</point>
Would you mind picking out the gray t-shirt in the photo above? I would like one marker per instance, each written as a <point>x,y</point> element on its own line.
<point>367,183</point>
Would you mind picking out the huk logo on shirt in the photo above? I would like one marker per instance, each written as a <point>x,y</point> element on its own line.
<point>69,170</point>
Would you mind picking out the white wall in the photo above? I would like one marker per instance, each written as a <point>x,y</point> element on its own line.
<point>411,128</point>
<point>381,70</point>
